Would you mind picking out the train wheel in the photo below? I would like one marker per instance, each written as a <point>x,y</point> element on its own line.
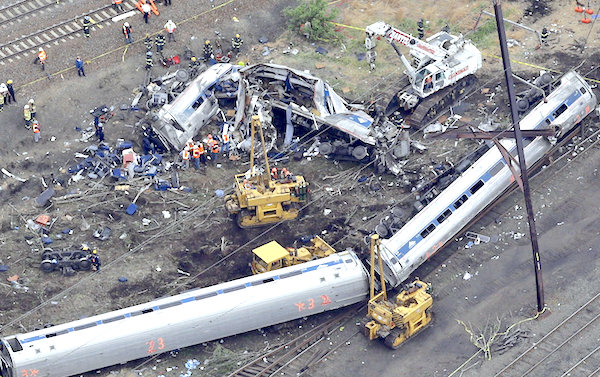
<point>47,266</point>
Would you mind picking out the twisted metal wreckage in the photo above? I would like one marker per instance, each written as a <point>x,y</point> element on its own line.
<point>295,100</point>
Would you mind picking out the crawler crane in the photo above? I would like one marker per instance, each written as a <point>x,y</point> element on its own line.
<point>442,68</point>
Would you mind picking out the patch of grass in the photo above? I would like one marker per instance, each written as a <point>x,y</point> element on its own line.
<point>486,35</point>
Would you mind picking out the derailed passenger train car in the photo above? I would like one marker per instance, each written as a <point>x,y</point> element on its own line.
<point>482,183</point>
<point>186,319</point>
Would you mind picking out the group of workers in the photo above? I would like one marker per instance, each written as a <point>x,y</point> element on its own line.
<point>201,151</point>
<point>7,94</point>
<point>92,257</point>
<point>283,174</point>
<point>29,114</point>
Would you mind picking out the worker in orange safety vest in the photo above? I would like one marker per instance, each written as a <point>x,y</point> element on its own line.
<point>118,4</point>
<point>41,57</point>
<point>285,173</point>
<point>170,28</point>
<point>36,130</point>
<point>199,154</point>
<point>225,148</point>
<point>185,156</point>
<point>214,150</point>
<point>274,174</point>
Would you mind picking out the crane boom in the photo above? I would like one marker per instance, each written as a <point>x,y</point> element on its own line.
<point>391,34</point>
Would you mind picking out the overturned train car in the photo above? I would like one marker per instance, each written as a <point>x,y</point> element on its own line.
<point>481,184</point>
<point>186,319</point>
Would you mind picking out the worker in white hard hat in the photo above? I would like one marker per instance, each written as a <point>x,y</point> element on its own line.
<point>127,33</point>
<point>32,108</point>
<point>170,28</point>
<point>27,116</point>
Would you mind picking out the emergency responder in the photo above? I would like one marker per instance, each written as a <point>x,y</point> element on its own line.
<point>202,151</point>
<point>544,36</point>
<point>446,28</point>
<point>185,156</point>
<point>27,116</point>
<point>284,173</point>
<point>194,62</point>
<point>100,131</point>
<point>149,59</point>
<point>159,42</point>
<point>79,66</point>
<point>146,10</point>
<point>196,154</point>
<point>32,108</point>
<point>118,5</point>
<point>148,42</point>
<point>127,33</point>
<point>95,260</point>
<point>274,174</point>
<point>170,28</point>
<point>87,22</point>
<point>214,150</point>
<point>167,2</point>
<point>236,43</point>
<point>41,58</point>
<point>36,130</point>
<point>208,50</point>
<point>11,91</point>
<point>421,28</point>
<point>226,141</point>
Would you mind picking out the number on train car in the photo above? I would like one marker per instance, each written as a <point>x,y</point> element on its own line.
<point>29,372</point>
<point>310,303</point>
<point>154,346</point>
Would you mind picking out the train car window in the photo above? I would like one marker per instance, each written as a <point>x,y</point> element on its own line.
<point>269,280</point>
<point>548,121</point>
<point>582,90</point>
<point>476,186</point>
<point>290,274</point>
<point>460,201</point>
<point>427,230</point>
<point>206,295</point>
<point>113,319</point>
<point>63,332</point>
<point>14,344</point>
<point>170,304</point>
<point>559,111</point>
<point>444,216</point>
<point>349,260</point>
<point>496,168</point>
<point>237,288</point>
<point>82,327</point>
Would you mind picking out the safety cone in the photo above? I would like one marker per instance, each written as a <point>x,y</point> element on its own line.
<point>578,9</point>
<point>589,11</point>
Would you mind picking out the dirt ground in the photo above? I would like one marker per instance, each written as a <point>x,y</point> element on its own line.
<point>177,253</point>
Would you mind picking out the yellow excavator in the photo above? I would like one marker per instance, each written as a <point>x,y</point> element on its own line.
<point>260,200</point>
<point>272,255</point>
<point>397,321</point>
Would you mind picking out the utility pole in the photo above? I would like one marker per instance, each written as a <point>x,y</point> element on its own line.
<point>537,264</point>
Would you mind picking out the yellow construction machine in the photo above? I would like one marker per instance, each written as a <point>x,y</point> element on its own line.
<point>272,255</point>
<point>395,322</point>
<point>258,199</point>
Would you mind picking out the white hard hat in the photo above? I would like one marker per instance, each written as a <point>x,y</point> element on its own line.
<point>126,24</point>
<point>41,49</point>
<point>27,106</point>
<point>31,100</point>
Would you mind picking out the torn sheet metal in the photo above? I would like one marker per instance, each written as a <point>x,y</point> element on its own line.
<point>310,98</point>
<point>183,118</point>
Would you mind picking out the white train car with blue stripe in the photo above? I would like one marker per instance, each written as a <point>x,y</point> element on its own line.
<point>186,319</point>
<point>482,183</point>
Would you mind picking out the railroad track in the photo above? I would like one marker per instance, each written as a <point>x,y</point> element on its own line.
<point>60,32</point>
<point>545,357</point>
<point>297,356</point>
<point>21,9</point>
